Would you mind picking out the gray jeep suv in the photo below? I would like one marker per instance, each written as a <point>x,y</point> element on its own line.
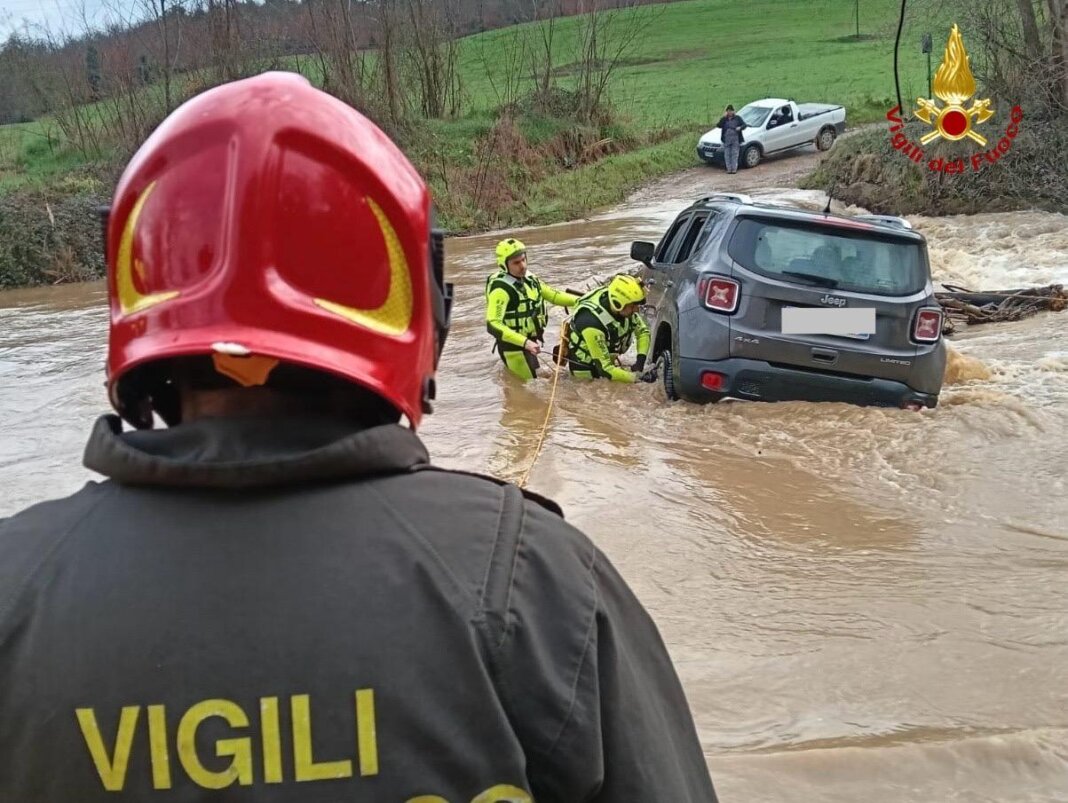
<point>731,273</point>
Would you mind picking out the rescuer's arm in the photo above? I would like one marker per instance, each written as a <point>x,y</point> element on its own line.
<point>597,346</point>
<point>496,304</point>
<point>641,331</point>
<point>585,677</point>
<point>558,297</point>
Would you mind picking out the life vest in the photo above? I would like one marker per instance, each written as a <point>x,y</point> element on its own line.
<point>618,332</point>
<point>526,312</point>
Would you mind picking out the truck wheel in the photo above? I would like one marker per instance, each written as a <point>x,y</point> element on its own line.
<point>751,156</point>
<point>825,139</point>
<point>665,367</point>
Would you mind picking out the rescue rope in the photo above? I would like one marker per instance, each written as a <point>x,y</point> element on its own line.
<point>564,328</point>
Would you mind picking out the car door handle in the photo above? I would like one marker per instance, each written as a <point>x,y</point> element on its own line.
<point>826,356</point>
<point>794,125</point>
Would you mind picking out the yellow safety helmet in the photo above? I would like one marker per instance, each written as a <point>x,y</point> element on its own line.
<point>506,249</point>
<point>623,290</point>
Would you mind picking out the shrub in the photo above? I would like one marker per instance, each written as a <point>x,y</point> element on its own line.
<point>46,238</point>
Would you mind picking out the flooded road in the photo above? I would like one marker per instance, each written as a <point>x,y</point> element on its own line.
<point>861,603</point>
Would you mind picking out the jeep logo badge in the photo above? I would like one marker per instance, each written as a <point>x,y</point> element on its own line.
<point>833,301</point>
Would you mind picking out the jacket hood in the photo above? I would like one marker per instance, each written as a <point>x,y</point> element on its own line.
<point>250,452</point>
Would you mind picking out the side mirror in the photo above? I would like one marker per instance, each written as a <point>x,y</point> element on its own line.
<point>642,252</point>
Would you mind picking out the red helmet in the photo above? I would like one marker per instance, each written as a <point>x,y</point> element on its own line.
<point>265,217</point>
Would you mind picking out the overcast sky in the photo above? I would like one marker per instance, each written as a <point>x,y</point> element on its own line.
<point>61,16</point>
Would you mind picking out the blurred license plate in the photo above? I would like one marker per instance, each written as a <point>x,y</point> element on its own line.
<point>853,322</point>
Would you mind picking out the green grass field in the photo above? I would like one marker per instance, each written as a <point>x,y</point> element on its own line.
<point>688,61</point>
<point>692,58</point>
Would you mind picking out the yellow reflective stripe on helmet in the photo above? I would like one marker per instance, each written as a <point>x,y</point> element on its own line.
<point>623,290</point>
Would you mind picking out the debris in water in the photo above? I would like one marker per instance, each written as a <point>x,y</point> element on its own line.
<point>970,307</point>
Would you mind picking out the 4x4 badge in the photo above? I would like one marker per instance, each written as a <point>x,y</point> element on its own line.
<point>833,301</point>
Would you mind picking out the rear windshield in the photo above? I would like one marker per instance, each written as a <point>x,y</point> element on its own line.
<point>824,257</point>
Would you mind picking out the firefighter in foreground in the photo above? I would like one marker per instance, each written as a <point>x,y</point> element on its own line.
<point>515,309</point>
<point>602,325</point>
<point>277,597</point>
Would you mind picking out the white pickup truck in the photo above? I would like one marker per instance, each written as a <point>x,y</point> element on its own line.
<point>774,125</point>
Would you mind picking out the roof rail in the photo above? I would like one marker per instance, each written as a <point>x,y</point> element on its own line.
<point>727,196</point>
<point>889,220</point>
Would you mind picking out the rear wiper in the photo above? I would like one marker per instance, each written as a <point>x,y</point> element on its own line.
<point>815,278</point>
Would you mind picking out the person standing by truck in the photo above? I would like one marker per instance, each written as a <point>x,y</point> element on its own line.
<point>731,126</point>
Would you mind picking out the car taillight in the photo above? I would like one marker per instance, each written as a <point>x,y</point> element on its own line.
<point>713,380</point>
<point>718,293</point>
<point>928,326</point>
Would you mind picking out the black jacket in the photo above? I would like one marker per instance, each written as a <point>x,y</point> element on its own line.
<point>251,611</point>
<point>735,122</point>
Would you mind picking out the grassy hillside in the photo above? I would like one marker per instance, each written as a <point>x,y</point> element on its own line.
<point>691,59</point>
<point>695,57</point>
<point>688,61</point>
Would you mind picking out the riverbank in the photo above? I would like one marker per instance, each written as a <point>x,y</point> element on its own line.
<point>51,234</point>
<point>501,160</point>
<point>866,170</point>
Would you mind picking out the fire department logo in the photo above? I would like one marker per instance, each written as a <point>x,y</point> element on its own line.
<point>954,85</point>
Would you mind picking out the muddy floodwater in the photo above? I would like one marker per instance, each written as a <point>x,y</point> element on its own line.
<point>863,604</point>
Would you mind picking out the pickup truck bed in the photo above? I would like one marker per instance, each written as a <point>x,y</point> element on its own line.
<point>808,110</point>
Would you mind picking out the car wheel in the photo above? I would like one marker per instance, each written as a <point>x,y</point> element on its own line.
<point>751,156</point>
<point>825,139</point>
<point>665,368</point>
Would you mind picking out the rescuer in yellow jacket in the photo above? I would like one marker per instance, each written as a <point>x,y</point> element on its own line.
<point>515,309</point>
<point>602,325</point>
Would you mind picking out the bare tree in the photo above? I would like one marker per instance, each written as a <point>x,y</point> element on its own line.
<point>1022,49</point>
<point>1058,13</point>
<point>606,38</point>
<point>1030,28</point>
<point>542,58</point>
<point>19,102</point>
<point>337,31</point>
<point>167,17</point>
<point>388,49</point>
<point>504,60</point>
<point>433,54</point>
<point>222,21</point>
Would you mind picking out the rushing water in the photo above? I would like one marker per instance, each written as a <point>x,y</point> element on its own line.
<point>862,603</point>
